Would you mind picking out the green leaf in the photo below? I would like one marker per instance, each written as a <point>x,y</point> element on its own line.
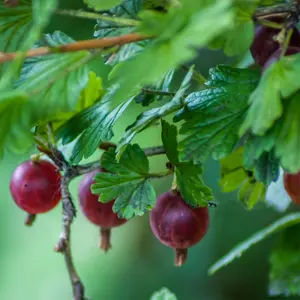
<point>147,118</point>
<point>282,138</point>
<point>55,82</point>
<point>102,4</point>
<point>128,182</point>
<point>163,294</point>
<point>184,31</point>
<point>192,188</point>
<point>278,82</point>
<point>236,252</point>
<point>287,142</point>
<point>15,122</point>
<point>20,28</point>
<point>188,176</point>
<point>129,9</point>
<point>234,176</point>
<point>266,167</point>
<point>285,264</point>
<point>162,85</point>
<point>213,116</point>
<point>238,39</point>
<point>91,126</point>
<point>169,139</point>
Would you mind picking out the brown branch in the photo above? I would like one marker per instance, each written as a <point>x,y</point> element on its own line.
<point>64,242</point>
<point>77,46</point>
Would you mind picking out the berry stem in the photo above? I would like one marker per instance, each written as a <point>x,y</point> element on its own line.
<point>180,256</point>
<point>105,239</point>
<point>29,220</point>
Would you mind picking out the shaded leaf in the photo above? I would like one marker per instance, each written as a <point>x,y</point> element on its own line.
<point>278,82</point>
<point>181,34</point>
<point>163,294</point>
<point>102,4</point>
<point>285,264</point>
<point>213,116</point>
<point>234,176</point>
<point>91,126</point>
<point>147,118</point>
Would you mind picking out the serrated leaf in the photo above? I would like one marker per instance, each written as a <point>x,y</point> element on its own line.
<point>237,252</point>
<point>128,182</point>
<point>282,138</point>
<point>169,139</point>
<point>162,85</point>
<point>129,9</point>
<point>91,126</point>
<point>163,294</point>
<point>278,82</point>
<point>234,176</point>
<point>285,264</point>
<point>192,188</point>
<point>185,31</point>
<point>20,28</point>
<point>213,116</point>
<point>147,118</point>
<point>102,4</point>
<point>15,122</point>
<point>239,38</point>
<point>55,82</point>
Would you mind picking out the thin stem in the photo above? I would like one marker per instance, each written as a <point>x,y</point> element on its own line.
<point>63,244</point>
<point>29,220</point>
<point>77,46</point>
<point>151,151</point>
<point>270,24</point>
<point>280,9</point>
<point>158,92</point>
<point>197,76</point>
<point>96,16</point>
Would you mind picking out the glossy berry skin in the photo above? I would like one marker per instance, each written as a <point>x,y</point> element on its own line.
<point>100,214</point>
<point>177,225</point>
<point>277,54</point>
<point>35,186</point>
<point>292,186</point>
<point>264,44</point>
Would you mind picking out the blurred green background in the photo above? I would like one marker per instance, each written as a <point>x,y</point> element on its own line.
<point>138,264</point>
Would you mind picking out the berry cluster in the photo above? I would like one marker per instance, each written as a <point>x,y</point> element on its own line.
<point>36,188</point>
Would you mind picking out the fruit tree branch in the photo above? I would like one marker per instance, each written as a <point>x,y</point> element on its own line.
<point>279,9</point>
<point>63,244</point>
<point>77,46</point>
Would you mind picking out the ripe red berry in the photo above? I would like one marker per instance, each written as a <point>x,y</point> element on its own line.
<point>35,186</point>
<point>100,214</point>
<point>177,225</point>
<point>276,56</point>
<point>292,186</point>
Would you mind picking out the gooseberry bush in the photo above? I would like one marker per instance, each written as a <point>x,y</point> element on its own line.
<point>245,116</point>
